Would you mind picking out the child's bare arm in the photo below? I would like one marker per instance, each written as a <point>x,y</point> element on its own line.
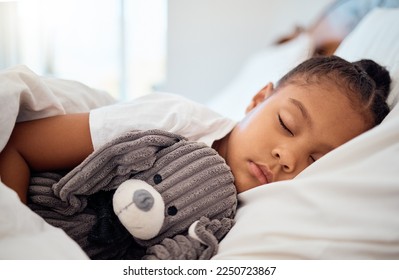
<point>54,143</point>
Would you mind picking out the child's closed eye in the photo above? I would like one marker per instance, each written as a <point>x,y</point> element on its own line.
<point>312,159</point>
<point>284,126</point>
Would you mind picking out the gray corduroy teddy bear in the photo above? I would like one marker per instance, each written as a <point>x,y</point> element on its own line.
<point>152,191</point>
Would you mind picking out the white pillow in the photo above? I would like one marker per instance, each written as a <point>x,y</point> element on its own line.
<point>268,65</point>
<point>344,206</point>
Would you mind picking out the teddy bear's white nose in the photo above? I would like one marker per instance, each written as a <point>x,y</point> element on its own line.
<point>140,208</point>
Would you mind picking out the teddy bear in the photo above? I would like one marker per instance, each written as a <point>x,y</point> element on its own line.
<point>144,195</point>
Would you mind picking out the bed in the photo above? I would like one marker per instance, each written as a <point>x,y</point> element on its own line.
<point>344,206</point>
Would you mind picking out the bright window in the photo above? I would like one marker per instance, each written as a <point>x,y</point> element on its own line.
<point>115,45</point>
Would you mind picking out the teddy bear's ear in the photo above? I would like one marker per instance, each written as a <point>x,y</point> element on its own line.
<point>112,164</point>
<point>143,148</point>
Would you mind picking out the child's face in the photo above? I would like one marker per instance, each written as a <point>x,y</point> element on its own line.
<point>288,131</point>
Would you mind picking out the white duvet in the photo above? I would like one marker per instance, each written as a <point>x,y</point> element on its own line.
<point>25,96</point>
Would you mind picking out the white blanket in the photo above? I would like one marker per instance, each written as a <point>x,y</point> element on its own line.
<point>25,96</point>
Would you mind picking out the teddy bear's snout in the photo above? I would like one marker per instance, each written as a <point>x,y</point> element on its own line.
<point>143,200</point>
<point>140,208</point>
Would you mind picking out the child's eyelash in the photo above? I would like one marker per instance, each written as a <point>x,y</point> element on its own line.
<point>284,126</point>
<point>312,158</point>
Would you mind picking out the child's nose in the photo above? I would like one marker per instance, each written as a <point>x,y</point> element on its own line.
<point>285,158</point>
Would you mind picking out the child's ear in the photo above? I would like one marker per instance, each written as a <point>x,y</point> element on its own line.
<point>258,98</point>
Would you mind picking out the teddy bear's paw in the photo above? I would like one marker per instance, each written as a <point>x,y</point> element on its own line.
<point>179,247</point>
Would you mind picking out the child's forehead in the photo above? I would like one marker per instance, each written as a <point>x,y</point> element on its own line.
<point>319,90</point>
<point>316,101</point>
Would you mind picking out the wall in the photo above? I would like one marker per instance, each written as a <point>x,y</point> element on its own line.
<point>8,34</point>
<point>208,40</point>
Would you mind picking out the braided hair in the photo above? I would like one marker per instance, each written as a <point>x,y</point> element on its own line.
<point>364,82</point>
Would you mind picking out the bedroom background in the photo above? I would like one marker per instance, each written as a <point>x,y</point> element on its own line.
<point>131,47</point>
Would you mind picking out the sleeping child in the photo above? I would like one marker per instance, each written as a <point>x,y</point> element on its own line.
<point>317,106</point>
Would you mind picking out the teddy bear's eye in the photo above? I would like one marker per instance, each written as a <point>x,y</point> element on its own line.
<point>157,179</point>
<point>172,210</point>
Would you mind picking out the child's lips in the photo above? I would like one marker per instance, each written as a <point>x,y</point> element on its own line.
<point>261,172</point>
